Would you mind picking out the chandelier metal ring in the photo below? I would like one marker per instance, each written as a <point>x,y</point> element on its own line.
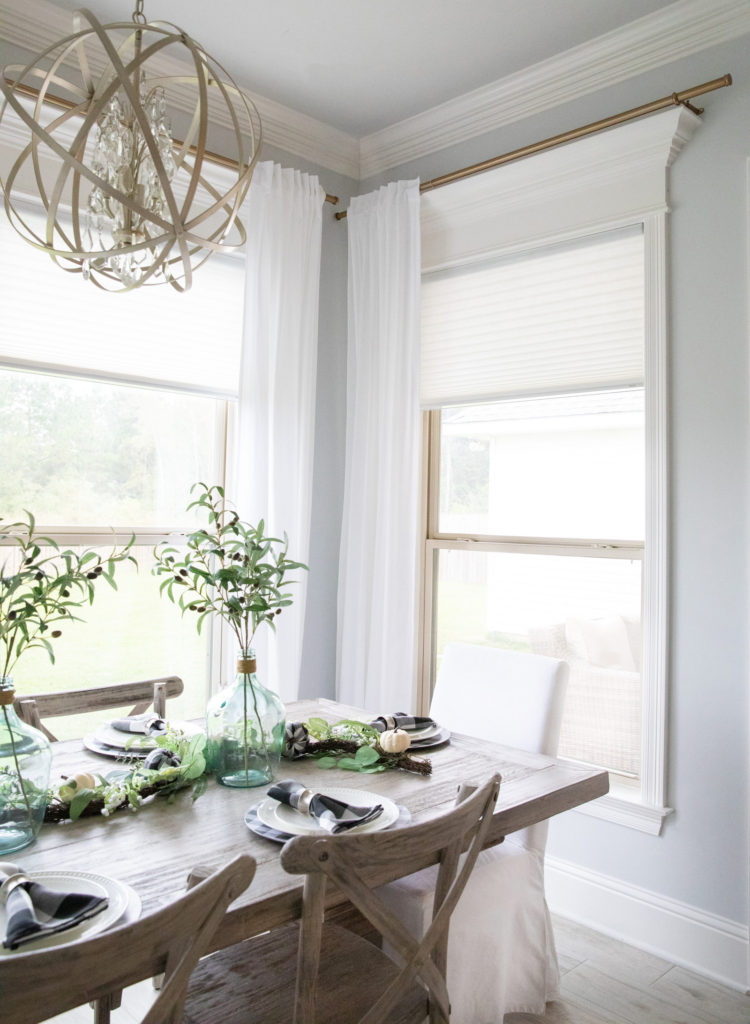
<point>126,204</point>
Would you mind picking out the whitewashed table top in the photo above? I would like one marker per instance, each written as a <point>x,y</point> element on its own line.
<point>155,849</point>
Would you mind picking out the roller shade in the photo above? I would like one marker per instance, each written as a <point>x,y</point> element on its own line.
<point>559,319</point>
<point>56,321</point>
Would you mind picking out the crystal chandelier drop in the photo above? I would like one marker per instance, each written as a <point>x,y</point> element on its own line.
<point>121,158</point>
<point>126,203</point>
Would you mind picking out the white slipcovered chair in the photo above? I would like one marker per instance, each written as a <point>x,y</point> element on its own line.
<point>502,955</point>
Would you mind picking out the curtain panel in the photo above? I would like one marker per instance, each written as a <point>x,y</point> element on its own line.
<point>378,559</point>
<point>274,465</point>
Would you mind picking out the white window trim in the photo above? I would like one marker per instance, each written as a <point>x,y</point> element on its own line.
<point>609,180</point>
<point>221,646</point>
<point>646,809</point>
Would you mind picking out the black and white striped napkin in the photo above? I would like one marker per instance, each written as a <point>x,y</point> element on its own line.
<point>331,814</point>
<point>33,911</point>
<point>400,720</point>
<point>148,724</point>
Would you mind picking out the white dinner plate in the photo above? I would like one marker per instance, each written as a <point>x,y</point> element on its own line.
<point>286,819</point>
<point>91,743</point>
<point>435,739</point>
<point>111,742</point>
<point>129,741</point>
<point>423,734</point>
<point>123,902</point>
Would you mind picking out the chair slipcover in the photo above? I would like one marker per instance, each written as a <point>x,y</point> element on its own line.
<point>502,955</point>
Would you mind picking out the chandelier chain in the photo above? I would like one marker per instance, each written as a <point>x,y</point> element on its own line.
<point>138,16</point>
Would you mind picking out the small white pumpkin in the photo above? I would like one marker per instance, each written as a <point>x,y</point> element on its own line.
<point>83,780</point>
<point>395,741</point>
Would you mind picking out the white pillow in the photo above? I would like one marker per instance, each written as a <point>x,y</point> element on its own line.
<point>603,642</point>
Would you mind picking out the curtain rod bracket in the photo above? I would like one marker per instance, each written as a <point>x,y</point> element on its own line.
<point>681,101</point>
<point>689,105</point>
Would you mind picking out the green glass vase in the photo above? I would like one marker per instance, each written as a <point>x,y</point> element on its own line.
<point>245,725</point>
<point>25,762</point>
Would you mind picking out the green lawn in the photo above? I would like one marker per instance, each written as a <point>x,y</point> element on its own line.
<point>128,635</point>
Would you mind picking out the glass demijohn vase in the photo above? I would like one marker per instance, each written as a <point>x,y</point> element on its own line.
<point>25,761</point>
<point>245,726</point>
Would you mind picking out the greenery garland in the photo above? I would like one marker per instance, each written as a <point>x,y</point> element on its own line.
<point>348,744</point>
<point>354,746</point>
<point>184,765</point>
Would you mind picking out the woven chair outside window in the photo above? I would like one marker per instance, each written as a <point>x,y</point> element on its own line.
<point>320,973</point>
<point>501,956</point>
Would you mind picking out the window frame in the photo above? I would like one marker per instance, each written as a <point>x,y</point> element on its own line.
<point>220,649</point>
<point>641,806</point>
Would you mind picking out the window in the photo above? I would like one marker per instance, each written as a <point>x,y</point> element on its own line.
<point>113,406</point>
<point>543,377</point>
<point>550,484</point>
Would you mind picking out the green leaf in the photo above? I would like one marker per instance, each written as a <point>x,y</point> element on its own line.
<point>318,724</point>
<point>80,802</point>
<point>366,755</point>
<point>327,761</point>
<point>349,764</point>
<point>195,745</point>
<point>199,787</point>
<point>196,767</point>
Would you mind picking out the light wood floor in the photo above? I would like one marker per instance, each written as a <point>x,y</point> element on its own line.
<point>604,982</point>
<point>608,982</point>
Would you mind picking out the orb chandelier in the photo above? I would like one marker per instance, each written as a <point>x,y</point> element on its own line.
<point>126,203</point>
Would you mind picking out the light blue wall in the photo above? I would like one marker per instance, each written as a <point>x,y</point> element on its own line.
<point>701,857</point>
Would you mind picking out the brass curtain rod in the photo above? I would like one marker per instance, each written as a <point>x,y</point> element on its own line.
<point>675,99</point>
<point>63,104</point>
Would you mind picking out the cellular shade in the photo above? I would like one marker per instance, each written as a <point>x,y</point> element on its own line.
<point>54,320</point>
<point>558,319</point>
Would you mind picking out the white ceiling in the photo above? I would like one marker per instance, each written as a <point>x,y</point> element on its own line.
<point>362,65</point>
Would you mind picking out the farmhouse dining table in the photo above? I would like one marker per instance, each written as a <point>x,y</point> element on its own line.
<point>154,850</point>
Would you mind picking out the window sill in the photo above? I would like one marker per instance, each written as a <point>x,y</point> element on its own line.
<point>624,810</point>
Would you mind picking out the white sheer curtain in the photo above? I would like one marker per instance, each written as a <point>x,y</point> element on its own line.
<point>274,466</point>
<point>377,572</point>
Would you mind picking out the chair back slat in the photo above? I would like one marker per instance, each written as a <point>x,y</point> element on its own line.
<point>32,708</point>
<point>37,985</point>
<point>454,839</point>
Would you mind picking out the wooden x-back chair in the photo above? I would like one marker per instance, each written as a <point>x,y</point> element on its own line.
<point>33,708</point>
<point>319,973</point>
<point>37,985</point>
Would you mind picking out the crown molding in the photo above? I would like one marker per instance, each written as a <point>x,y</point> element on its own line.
<point>37,24</point>
<point>679,30</point>
<point>683,28</point>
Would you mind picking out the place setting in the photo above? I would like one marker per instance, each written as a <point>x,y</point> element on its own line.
<point>134,736</point>
<point>42,909</point>
<point>424,733</point>
<point>291,809</point>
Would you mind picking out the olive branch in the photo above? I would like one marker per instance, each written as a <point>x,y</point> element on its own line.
<point>39,594</point>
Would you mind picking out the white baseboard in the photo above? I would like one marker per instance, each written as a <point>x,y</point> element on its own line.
<point>703,942</point>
